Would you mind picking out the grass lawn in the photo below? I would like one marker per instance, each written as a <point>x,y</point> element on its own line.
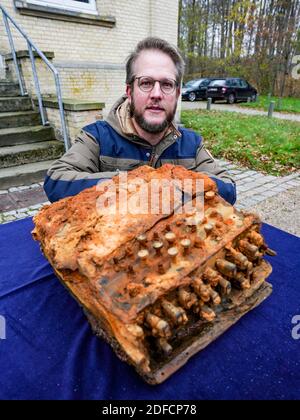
<point>260,143</point>
<point>287,104</point>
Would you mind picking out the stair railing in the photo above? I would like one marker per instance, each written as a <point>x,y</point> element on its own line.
<point>32,47</point>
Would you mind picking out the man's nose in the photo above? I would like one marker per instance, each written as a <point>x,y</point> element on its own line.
<point>156,91</point>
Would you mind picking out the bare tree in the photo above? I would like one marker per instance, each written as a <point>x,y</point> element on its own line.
<point>256,38</point>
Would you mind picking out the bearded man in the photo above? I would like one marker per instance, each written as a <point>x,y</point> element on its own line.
<point>139,130</point>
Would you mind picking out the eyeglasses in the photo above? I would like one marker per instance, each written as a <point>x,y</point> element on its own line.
<point>146,84</point>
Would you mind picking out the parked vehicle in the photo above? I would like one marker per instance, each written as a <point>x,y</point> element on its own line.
<point>231,89</point>
<point>195,89</point>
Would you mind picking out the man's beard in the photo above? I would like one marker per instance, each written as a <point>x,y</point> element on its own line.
<point>150,127</point>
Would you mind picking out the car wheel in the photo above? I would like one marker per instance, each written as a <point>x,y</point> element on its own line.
<point>231,99</point>
<point>254,98</point>
<point>192,96</point>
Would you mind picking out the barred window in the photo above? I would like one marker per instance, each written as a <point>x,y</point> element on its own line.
<point>86,6</point>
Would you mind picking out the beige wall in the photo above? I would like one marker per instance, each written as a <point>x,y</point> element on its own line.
<point>90,58</point>
<point>74,121</point>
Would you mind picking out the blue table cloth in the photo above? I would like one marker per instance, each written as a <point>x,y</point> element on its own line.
<point>50,352</point>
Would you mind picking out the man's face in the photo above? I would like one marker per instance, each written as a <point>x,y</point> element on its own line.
<point>153,111</point>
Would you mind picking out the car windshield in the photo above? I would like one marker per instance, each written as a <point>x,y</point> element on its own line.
<point>220,82</point>
<point>193,83</point>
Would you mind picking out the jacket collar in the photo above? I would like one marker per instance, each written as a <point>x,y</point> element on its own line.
<point>120,120</point>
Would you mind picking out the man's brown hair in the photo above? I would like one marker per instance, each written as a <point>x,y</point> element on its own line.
<point>154,43</point>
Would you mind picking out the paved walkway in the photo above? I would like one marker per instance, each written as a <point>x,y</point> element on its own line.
<point>234,108</point>
<point>282,211</point>
<point>20,202</point>
<point>253,188</point>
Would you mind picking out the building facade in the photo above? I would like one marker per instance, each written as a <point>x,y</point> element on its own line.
<point>89,40</point>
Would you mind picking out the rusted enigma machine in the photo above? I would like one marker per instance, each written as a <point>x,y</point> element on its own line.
<point>158,287</point>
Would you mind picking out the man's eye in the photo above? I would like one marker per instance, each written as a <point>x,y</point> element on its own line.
<point>146,83</point>
<point>167,85</point>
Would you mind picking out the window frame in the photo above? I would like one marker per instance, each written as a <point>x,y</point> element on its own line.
<point>69,5</point>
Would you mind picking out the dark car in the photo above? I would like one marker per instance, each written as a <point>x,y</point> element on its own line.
<point>195,89</point>
<point>231,89</point>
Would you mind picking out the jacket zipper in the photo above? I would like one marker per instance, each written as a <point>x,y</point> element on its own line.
<point>154,155</point>
<point>152,158</point>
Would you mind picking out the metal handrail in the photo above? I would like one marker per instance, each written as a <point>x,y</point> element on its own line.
<point>32,46</point>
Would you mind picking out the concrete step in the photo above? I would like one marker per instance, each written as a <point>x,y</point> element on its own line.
<point>18,119</point>
<point>23,174</point>
<point>30,153</point>
<point>9,89</point>
<point>16,103</point>
<point>21,135</point>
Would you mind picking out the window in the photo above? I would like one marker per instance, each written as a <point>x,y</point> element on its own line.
<point>86,6</point>
<point>235,83</point>
<point>205,82</point>
<point>243,84</point>
<point>220,82</point>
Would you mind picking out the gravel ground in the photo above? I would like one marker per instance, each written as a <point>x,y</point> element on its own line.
<point>282,211</point>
